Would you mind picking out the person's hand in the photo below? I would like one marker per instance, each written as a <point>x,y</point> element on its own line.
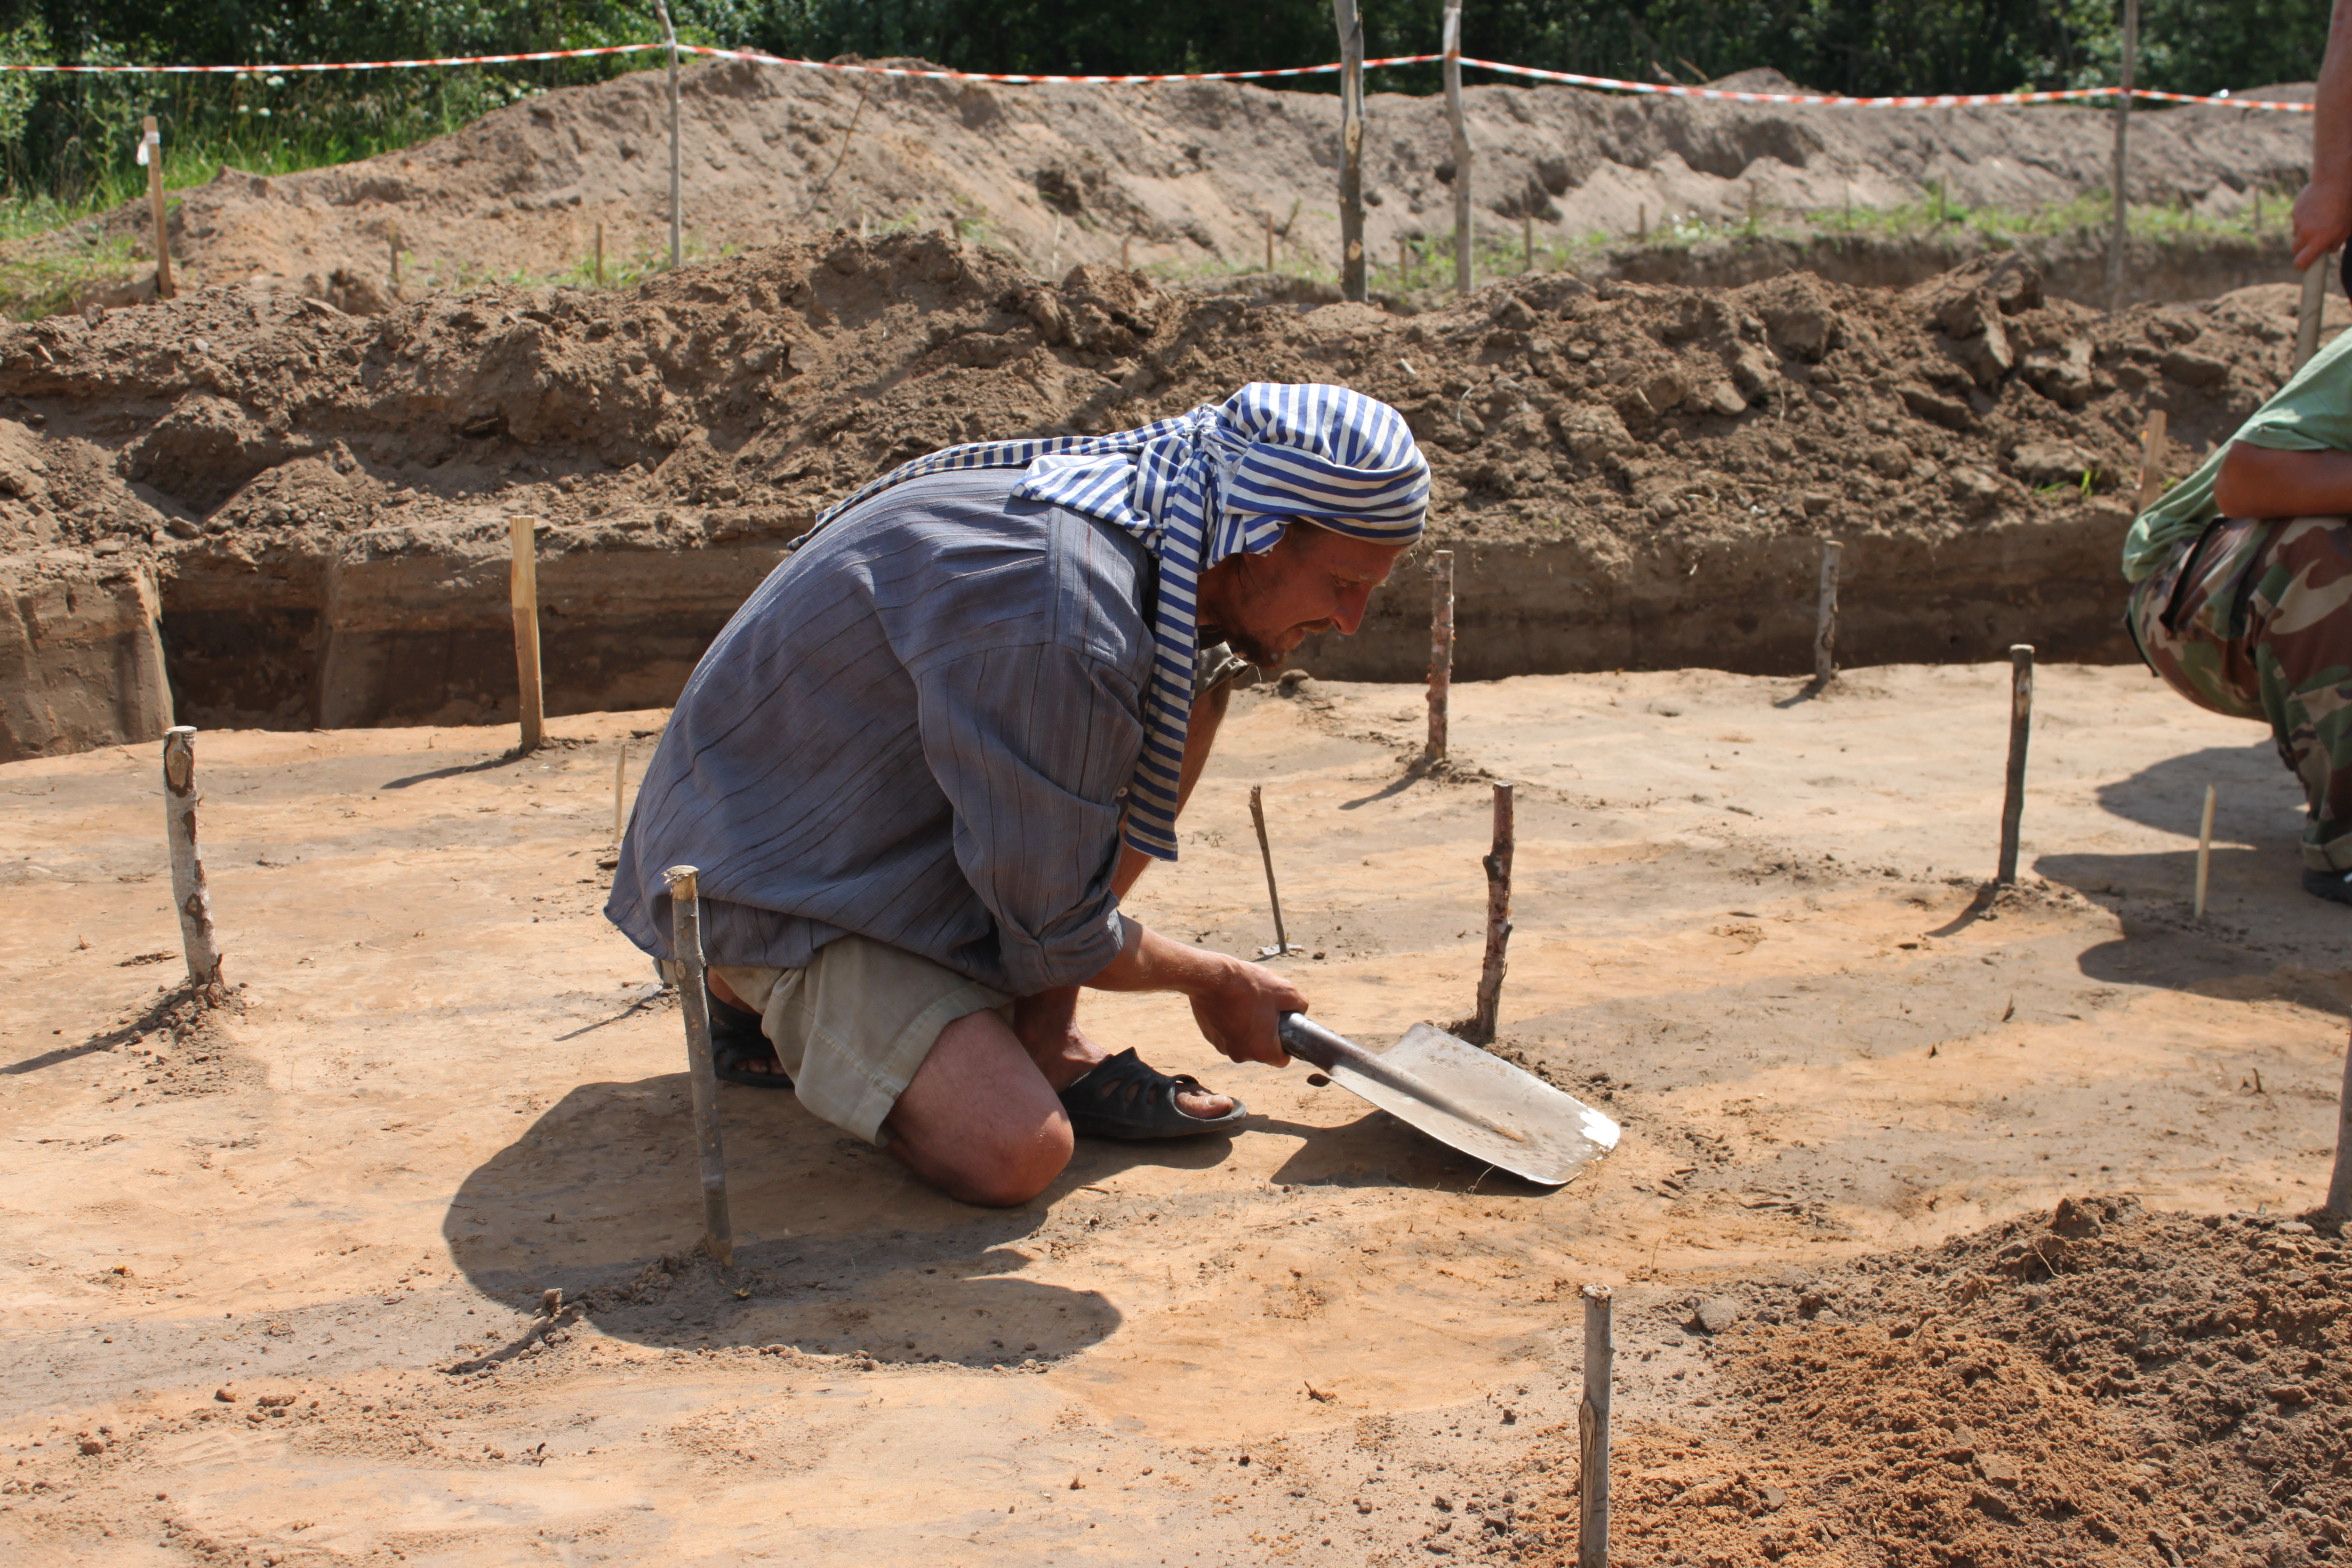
<point>1239,1010</point>
<point>2323,220</point>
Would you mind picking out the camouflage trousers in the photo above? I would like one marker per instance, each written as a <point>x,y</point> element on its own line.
<point>2254,620</point>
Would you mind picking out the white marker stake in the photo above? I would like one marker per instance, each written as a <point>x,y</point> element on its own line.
<point>2204,852</point>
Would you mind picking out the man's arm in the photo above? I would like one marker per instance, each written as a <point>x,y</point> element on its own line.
<point>2262,481</point>
<point>1238,1005</point>
<point>2323,213</point>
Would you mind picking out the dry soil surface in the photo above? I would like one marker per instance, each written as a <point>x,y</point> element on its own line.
<point>277,1274</point>
<point>1181,178</point>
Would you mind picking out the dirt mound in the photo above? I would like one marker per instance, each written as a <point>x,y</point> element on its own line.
<point>1184,177</point>
<point>2090,1387</point>
<point>1632,475</point>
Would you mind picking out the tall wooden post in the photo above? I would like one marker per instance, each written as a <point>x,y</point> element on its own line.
<point>1825,614</point>
<point>1441,649</point>
<point>1462,152</point>
<point>1481,1029</point>
<point>2021,664</point>
<point>523,588</point>
<point>189,892</point>
<point>1351,147</point>
<point>151,154</point>
<point>677,196</point>
<point>1592,1431</point>
<point>2123,106</point>
<point>718,1234</point>
<point>2339,1193</point>
<point>2204,855</point>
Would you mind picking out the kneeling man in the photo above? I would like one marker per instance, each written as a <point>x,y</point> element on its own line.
<point>923,763</point>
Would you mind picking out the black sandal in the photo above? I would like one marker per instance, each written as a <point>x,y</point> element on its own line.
<point>738,1044</point>
<point>1119,1097</point>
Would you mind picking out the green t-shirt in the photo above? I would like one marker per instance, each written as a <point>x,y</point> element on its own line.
<point>2312,413</point>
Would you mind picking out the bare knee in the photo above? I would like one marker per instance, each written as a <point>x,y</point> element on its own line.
<point>978,1121</point>
<point>1006,1173</point>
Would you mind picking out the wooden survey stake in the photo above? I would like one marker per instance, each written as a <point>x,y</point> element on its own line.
<point>1481,1028</point>
<point>2152,459</point>
<point>1592,1431</point>
<point>2021,663</point>
<point>1825,614</point>
<point>523,583</point>
<point>1441,650</point>
<point>2204,854</point>
<point>189,892</point>
<point>718,1234</point>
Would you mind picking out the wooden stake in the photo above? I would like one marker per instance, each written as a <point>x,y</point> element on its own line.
<point>189,893</point>
<point>1463,155</point>
<point>1441,649</point>
<point>1481,1029</point>
<point>1404,261</point>
<point>600,253</point>
<point>620,782</point>
<point>1273,897</point>
<point>523,586</point>
<point>2258,209</point>
<point>2204,854</point>
<point>1825,614</point>
<point>151,144</point>
<point>1126,253</point>
<point>2312,308</point>
<point>702,1082</point>
<point>1351,148</point>
<point>1269,242</point>
<point>1592,1432</point>
<point>2021,662</point>
<point>2152,460</point>
<point>1641,223</point>
<point>1527,242</point>
<point>677,198</point>
<point>2123,104</point>
<point>2339,1194</point>
<point>395,240</point>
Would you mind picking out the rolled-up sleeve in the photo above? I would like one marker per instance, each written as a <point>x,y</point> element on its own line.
<point>1032,746</point>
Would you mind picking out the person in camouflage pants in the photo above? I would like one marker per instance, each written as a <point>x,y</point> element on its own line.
<point>2253,619</point>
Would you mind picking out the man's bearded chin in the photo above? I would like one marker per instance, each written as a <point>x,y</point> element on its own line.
<point>1249,646</point>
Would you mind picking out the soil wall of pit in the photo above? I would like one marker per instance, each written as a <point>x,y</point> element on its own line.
<point>1628,475</point>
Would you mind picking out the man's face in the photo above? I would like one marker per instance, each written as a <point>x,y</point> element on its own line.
<point>1313,580</point>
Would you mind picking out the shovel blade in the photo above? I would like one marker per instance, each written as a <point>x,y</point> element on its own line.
<point>1556,1133</point>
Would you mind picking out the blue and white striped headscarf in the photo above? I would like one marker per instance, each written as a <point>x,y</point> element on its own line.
<point>1222,480</point>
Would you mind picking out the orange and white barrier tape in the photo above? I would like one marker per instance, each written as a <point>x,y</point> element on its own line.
<point>1026,79</point>
<point>339,65</point>
<point>1029,79</point>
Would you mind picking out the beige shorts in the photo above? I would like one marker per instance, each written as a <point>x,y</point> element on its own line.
<point>851,1029</point>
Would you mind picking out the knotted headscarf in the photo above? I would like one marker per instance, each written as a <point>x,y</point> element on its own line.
<point>1195,489</point>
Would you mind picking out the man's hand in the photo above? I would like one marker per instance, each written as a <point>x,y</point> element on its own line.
<point>2323,218</point>
<point>1239,1008</point>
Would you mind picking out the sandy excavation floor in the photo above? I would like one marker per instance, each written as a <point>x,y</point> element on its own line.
<point>275,1282</point>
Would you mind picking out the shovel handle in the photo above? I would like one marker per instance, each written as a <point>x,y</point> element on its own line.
<point>1303,1037</point>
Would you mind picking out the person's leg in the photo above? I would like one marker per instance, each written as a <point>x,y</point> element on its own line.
<point>2300,619</point>
<point>978,1121</point>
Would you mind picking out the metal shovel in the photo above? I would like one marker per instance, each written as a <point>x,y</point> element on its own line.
<point>1463,1097</point>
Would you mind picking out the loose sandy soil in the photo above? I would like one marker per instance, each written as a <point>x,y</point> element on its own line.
<point>276,1277</point>
<point>1179,178</point>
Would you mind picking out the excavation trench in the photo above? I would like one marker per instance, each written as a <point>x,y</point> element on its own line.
<point>427,637</point>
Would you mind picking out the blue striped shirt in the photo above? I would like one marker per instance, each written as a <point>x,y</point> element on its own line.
<point>919,729</point>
